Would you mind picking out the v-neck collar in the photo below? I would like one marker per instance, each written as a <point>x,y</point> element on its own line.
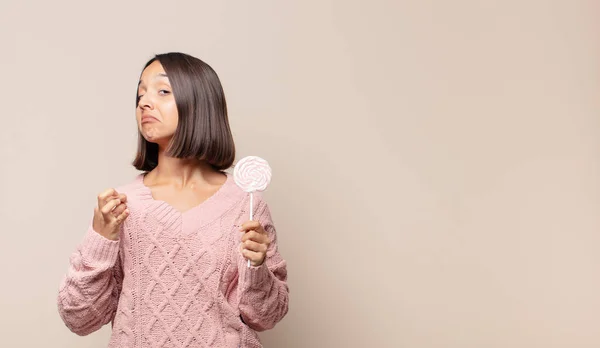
<point>196,216</point>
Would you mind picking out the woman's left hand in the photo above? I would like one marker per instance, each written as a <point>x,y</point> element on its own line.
<point>255,242</point>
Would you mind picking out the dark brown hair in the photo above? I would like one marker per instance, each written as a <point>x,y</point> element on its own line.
<point>203,130</point>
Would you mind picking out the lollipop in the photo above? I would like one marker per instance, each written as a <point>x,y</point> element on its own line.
<point>252,174</point>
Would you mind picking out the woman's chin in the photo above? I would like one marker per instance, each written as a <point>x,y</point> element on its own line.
<point>152,138</point>
<point>151,134</point>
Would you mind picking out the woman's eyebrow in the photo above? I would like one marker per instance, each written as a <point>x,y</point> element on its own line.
<point>155,77</point>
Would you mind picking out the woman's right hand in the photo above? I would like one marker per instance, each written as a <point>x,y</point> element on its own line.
<point>110,213</point>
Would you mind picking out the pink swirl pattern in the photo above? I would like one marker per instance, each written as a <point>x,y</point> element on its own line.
<point>252,174</point>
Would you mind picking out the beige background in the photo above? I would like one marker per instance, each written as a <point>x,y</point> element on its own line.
<point>436,163</point>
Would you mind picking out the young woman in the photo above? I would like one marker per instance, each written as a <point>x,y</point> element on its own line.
<point>165,257</point>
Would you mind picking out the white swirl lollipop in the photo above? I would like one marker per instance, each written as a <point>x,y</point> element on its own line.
<point>252,174</point>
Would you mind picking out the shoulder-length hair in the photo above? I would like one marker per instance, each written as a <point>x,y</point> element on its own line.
<point>203,130</point>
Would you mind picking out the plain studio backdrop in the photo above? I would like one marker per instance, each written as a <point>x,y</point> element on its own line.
<point>436,163</point>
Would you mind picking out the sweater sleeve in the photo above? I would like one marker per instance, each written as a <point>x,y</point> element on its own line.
<point>89,293</point>
<point>263,290</point>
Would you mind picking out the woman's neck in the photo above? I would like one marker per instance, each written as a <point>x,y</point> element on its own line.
<point>182,172</point>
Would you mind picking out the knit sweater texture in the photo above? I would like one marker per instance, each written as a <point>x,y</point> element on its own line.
<point>176,279</point>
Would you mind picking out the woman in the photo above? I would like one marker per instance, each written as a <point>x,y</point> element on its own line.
<point>164,258</point>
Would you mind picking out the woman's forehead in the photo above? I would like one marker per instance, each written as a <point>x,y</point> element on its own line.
<point>153,72</point>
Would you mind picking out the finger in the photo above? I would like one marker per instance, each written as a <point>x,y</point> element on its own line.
<point>105,196</point>
<point>254,246</point>
<point>123,197</point>
<point>119,209</point>
<point>122,217</point>
<point>253,256</point>
<point>250,225</point>
<point>108,207</point>
<point>255,236</point>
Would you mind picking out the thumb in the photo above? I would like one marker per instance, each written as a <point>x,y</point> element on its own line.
<point>121,217</point>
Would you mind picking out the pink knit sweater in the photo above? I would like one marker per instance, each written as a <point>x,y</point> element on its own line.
<point>176,279</point>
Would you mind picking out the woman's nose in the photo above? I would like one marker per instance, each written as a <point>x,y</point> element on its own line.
<point>144,102</point>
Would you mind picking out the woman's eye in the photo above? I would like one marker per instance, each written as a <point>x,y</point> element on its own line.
<point>162,92</point>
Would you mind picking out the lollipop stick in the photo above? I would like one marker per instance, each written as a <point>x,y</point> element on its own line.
<point>251,215</point>
<point>251,204</point>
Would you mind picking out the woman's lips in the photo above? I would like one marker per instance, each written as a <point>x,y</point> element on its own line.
<point>148,118</point>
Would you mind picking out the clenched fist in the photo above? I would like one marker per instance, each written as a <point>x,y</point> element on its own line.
<point>110,213</point>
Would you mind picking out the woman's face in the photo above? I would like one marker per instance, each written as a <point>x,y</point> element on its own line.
<point>156,112</point>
